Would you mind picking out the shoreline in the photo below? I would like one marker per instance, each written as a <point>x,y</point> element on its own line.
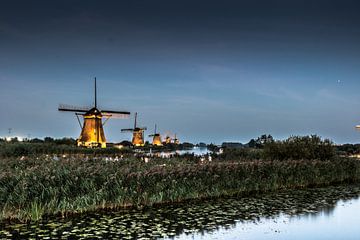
<point>106,209</point>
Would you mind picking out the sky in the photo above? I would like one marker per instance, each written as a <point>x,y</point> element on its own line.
<point>209,71</point>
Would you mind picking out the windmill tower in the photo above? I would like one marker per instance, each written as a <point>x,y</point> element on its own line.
<point>138,133</point>
<point>92,133</point>
<point>156,138</point>
<point>176,140</point>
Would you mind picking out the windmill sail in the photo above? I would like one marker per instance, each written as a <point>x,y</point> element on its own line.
<point>70,108</point>
<point>116,114</point>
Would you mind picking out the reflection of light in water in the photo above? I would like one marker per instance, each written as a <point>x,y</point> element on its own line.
<point>196,151</point>
<point>342,222</point>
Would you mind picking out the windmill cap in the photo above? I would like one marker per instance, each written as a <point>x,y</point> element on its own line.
<point>93,111</point>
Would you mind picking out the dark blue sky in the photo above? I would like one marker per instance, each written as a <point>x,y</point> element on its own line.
<point>210,71</point>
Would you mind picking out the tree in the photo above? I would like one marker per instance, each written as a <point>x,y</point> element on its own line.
<point>65,141</point>
<point>260,141</point>
<point>48,140</point>
<point>36,140</point>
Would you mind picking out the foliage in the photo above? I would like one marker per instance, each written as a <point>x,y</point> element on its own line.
<point>31,188</point>
<point>348,149</point>
<point>232,145</point>
<point>27,149</point>
<point>260,141</point>
<point>212,147</point>
<point>300,147</point>
<point>240,154</point>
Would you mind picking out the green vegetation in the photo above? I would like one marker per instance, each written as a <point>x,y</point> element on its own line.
<point>300,147</point>
<point>348,149</point>
<point>171,220</point>
<point>294,148</point>
<point>34,186</point>
<point>17,149</point>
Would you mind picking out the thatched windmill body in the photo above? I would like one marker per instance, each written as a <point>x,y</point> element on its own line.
<point>138,133</point>
<point>156,138</point>
<point>92,131</point>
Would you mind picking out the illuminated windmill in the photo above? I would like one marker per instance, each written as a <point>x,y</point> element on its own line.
<point>167,139</point>
<point>138,133</point>
<point>92,133</point>
<point>156,138</point>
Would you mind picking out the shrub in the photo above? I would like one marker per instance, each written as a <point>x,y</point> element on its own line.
<point>300,147</point>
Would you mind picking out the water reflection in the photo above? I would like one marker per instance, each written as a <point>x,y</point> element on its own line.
<point>210,219</point>
<point>196,151</point>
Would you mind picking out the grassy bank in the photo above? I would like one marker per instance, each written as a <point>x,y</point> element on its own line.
<point>31,188</point>
<point>35,149</point>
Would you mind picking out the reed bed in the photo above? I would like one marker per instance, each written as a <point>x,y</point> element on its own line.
<point>33,188</point>
<point>35,149</point>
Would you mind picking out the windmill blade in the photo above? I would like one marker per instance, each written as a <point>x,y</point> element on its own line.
<point>115,112</point>
<point>69,108</point>
<point>151,135</point>
<point>143,128</point>
<point>127,130</point>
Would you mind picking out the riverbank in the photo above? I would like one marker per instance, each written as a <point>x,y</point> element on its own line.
<point>201,219</point>
<point>33,188</point>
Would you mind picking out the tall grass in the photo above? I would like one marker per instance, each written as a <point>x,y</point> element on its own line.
<point>32,188</point>
<point>35,149</point>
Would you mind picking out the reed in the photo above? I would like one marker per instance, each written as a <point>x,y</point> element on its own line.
<point>32,188</point>
<point>35,149</point>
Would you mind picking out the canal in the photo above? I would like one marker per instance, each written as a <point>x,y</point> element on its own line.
<point>318,213</point>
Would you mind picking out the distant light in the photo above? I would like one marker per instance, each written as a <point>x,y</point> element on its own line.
<point>119,146</point>
<point>20,139</point>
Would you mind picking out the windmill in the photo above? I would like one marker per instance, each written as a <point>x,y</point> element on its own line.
<point>168,138</point>
<point>176,140</point>
<point>156,138</point>
<point>92,133</point>
<point>171,139</point>
<point>138,133</point>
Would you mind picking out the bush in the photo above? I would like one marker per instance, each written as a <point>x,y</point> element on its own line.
<point>300,147</point>
<point>240,154</point>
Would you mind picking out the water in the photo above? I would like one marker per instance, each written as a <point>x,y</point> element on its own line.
<point>322,213</point>
<point>342,222</point>
<point>197,151</point>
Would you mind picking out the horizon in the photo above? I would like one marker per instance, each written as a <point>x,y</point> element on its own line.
<point>210,72</point>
